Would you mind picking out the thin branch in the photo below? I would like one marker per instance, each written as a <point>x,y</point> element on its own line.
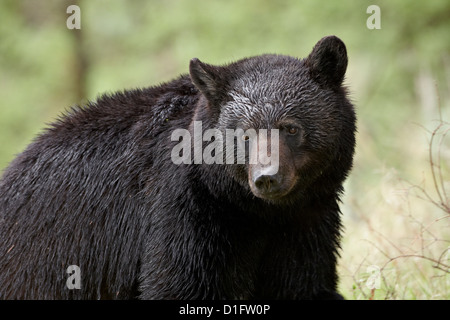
<point>441,178</point>
<point>430,155</point>
<point>438,264</point>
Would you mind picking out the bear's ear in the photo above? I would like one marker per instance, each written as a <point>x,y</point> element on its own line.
<point>328,61</point>
<point>207,79</point>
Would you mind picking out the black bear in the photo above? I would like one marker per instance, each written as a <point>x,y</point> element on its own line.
<point>119,199</point>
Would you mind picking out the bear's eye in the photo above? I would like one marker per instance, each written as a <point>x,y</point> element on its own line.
<point>292,130</point>
<point>245,137</point>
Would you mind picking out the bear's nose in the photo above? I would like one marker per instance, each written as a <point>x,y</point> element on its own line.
<point>267,183</point>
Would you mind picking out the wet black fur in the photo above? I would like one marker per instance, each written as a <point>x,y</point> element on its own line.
<point>98,189</point>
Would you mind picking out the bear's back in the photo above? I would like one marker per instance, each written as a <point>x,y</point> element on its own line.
<point>77,183</point>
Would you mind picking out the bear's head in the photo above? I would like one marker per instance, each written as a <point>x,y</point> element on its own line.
<point>293,111</point>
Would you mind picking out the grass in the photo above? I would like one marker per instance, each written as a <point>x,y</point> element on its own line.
<point>400,249</point>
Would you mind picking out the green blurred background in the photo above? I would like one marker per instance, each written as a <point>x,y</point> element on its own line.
<point>399,75</point>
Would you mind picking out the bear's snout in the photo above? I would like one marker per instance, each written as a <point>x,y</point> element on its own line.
<point>266,183</point>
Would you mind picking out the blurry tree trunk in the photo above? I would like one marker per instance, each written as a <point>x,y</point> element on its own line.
<point>81,65</point>
<point>81,60</point>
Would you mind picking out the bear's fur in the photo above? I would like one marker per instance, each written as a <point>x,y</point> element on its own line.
<point>99,190</point>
